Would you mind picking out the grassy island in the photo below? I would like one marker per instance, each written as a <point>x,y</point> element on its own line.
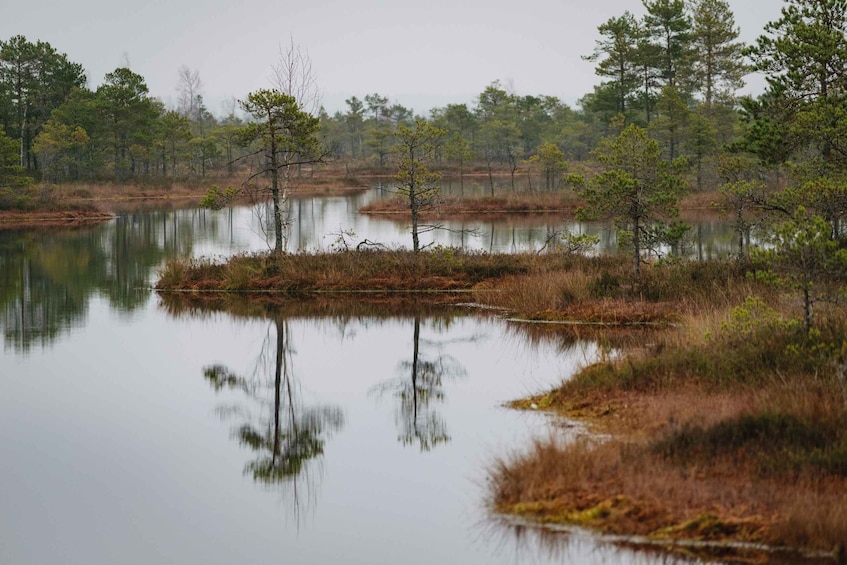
<point>558,202</point>
<point>47,205</point>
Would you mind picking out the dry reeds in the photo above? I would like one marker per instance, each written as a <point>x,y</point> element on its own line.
<point>549,287</point>
<point>620,488</point>
<point>341,272</point>
<point>729,427</point>
<point>562,202</point>
<point>625,488</point>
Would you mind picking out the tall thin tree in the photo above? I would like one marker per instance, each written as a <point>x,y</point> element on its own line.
<point>719,62</point>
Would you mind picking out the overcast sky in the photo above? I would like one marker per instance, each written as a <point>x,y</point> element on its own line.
<point>421,54</point>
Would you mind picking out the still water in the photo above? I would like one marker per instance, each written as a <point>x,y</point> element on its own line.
<point>136,430</point>
<point>318,224</point>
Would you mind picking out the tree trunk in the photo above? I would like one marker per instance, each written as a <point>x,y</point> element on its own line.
<point>699,172</point>
<point>462,177</point>
<point>275,195</point>
<point>275,449</point>
<point>413,206</point>
<point>415,354</point>
<point>636,246</point>
<point>490,176</point>
<point>807,308</point>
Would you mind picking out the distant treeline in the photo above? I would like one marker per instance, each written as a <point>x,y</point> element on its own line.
<point>676,72</point>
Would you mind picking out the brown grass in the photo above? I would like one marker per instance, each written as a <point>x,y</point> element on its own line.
<point>562,202</point>
<point>556,287</point>
<point>566,296</point>
<point>637,414</point>
<point>38,219</point>
<point>369,271</point>
<point>602,290</point>
<point>706,201</point>
<point>180,191</point>
<point>537,292</point>
<point>108,196</point>
<point>723,428</point>
<point>624,488</point>
<point>693,208</point>
<point>273,306</point>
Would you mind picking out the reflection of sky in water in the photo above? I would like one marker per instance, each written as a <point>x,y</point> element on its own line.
<point>316,223</point>
<point>113,448</point>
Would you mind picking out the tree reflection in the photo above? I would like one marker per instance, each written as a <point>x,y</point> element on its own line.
<point>42,286</point>
<point>534,543</point>
<point>47,277</point>
<point>417,391</point>
<point>286,436</point>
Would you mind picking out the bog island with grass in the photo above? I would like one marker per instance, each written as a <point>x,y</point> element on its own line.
<point>712,414</point>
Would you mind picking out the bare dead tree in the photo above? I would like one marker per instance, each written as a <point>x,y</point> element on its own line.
<point>285,127</point>
<point>189,87</point>
<point>229,106</point>
<point>293,75</point>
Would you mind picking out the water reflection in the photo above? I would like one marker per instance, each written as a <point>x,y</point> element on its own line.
<point>285,435</point>
<point>418,420</point>
<point>42,287</point>
<point>533,544</point>
<point>136,243</point>
<point>564,544</point>
<point>277,375</point>
<point>596,342</point>
<point>47,277</point>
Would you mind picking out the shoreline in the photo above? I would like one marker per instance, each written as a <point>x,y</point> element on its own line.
<point>740,552</point>
<point>84,201</point>
<point>14,220</point>
<point>92,203</point>
<point>674,457</point>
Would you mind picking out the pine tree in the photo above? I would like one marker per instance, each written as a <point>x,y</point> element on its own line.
<point>718,63</point>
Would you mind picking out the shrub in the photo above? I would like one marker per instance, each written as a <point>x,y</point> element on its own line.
<point>604,286</point>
